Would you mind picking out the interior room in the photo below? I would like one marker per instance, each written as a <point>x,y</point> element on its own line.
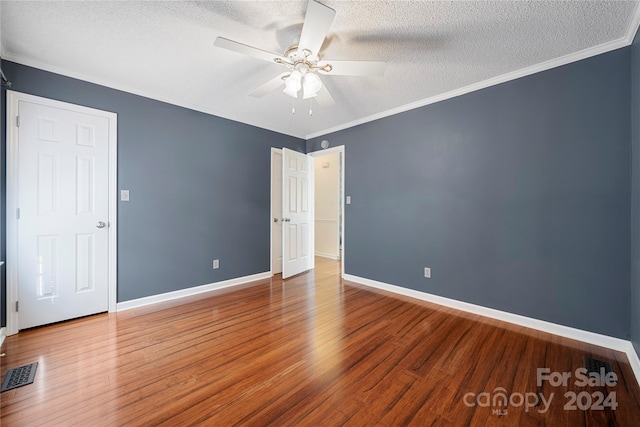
<point>325,212</point>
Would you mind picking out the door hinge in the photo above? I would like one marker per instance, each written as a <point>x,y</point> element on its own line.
<point>16,306</point>
<point>17,121</point>
<point>18,213</point>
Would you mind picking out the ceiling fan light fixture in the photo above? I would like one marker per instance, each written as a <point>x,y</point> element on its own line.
<point>308,95</point>
<point>290,92</point>
<point>311,84</point>
<point>303,60</point>
<point>293,84</point>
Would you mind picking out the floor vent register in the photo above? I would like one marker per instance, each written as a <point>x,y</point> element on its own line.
<point>17,377</point>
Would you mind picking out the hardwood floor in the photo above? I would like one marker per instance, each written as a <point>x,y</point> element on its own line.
<point>311,350</point>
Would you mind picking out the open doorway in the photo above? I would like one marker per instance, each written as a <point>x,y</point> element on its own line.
<point>329,203</point>
<point>336,158</point>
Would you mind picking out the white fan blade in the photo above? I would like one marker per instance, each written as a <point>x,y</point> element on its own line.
<point>316,26</point>
<point>354,68</point>
<point>269,86</point>
<point>324,98</point>
<point>247,50</point>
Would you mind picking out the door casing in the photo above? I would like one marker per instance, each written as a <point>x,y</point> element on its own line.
<point>13,100</point>
<point>276,190</point>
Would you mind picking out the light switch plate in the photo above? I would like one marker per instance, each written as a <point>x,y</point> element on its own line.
<point>124,195</point>
<point>348,200</point>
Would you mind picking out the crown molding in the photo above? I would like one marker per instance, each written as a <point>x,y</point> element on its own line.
<point>523,72</point>
<point>543,66</point>
<point>8,56</point>
<point>633,25</point>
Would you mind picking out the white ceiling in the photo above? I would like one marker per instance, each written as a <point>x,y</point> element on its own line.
<point>434,50</point>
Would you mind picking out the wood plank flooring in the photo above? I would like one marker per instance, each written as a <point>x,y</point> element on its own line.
<point>311,350</point>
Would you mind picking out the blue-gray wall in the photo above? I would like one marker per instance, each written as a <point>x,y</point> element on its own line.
<point>199,187</point>
<point>517,196</point>
<point>635,195</point>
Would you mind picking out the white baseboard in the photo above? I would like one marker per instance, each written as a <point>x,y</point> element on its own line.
<point>325,255</point>
<point>3,334</point>
<point>634,360</point>
<point>528,322</point>
<point>168,296</point>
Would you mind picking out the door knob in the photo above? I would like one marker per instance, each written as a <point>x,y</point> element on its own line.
<point>101,224</point>
<point>287,219</point>
<point>275,219</point>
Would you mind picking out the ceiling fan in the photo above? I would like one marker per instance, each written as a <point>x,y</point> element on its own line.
<point>303,61</point>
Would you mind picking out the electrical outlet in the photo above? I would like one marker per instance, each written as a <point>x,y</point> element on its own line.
<point>427,272</point>
<point>124,195</point>
<point>216,263</point>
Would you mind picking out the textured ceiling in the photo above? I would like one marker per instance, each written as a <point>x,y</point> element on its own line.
<point>164,50</point>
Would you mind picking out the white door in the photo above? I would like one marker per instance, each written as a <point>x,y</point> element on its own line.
<point>297,203</point>
<point>62,230</point>
<point>276,211</point>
